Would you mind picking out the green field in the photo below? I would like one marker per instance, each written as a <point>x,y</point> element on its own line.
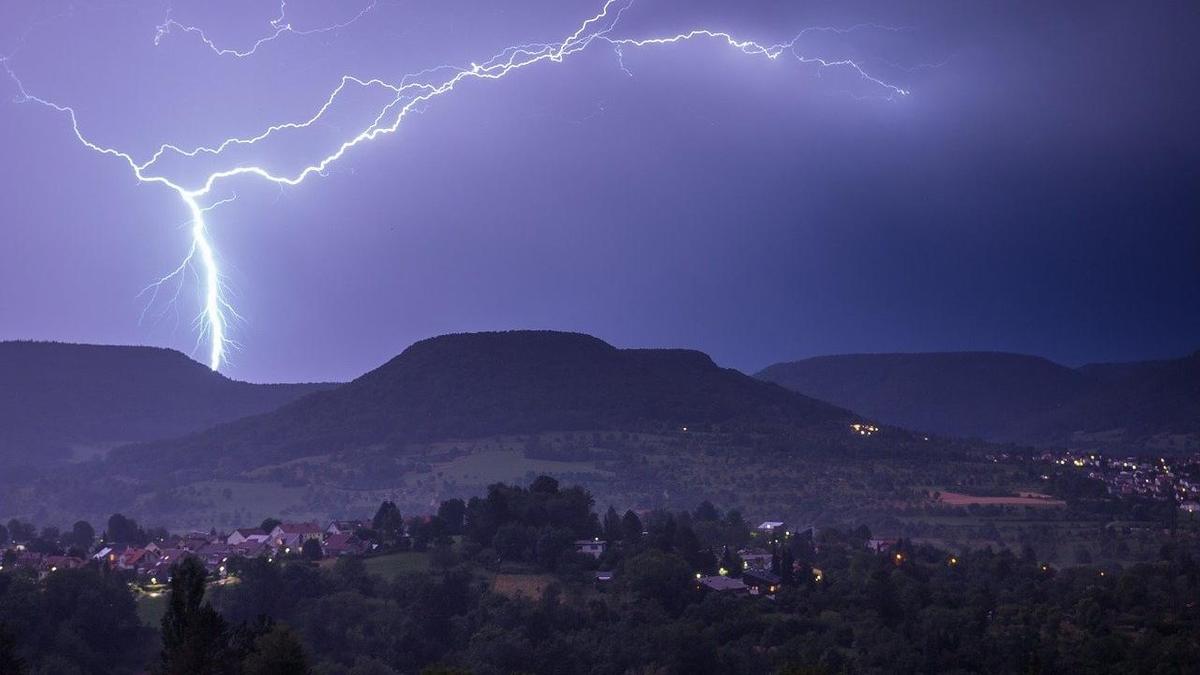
<point>394,564</point>
<point>491,466</point>
<point>150,608</point>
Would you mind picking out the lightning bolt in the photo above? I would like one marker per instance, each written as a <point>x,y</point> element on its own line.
<point>279,27</point>
<point>410,94</point>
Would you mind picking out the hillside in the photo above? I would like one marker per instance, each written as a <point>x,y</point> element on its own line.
<point>481,384</point>
<point>58,396</point>
<point>1011,397</point>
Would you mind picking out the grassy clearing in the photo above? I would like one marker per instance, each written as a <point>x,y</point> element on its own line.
<point>393,565</point>
<point>527,585</point>
<point>959,499</point>
<point>151,608</point>
<point>491,466</point>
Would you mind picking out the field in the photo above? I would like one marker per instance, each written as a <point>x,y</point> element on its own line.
<point>394,564</point>
<point>507,465</point>
<point>962,502</point>
<point>527,585</point>
<point>150,608</point>
<point>1026,499</point>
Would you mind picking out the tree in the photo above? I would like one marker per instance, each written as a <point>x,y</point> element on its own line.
<point>612,525</point>
<point>452,513</point>
<point>193,633</point>
<point>544,485</point>
<point>82,535</point>
<point>10,662</point>
<point>278,652</point>
<point>654,575</point>
<point>550,545</point>
<point>311,549</point>
<point>1082,555</point>
<point>731,562</point>
<point>443,556</point>
<point>631,527</point>
<point>707,512</point>
<point>734,519</point>
<point>787,567</point>
<point>269,524</point>
<point>21,532</point>
<point>388,522</point>
<point>512,541</point>
<point>124,530</point>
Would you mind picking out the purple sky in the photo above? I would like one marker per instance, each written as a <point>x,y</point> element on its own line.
<point>1036,192</point>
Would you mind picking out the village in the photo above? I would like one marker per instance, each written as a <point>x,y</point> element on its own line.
<point>541,550</point>
<point>763,566</point>
<point>150,563</point>
<point>1159,478</point>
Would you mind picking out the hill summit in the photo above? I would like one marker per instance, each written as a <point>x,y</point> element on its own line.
<point>481,384</point>
<point>58,395</point>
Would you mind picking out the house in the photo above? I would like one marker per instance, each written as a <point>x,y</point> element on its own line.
<point>755,559</point>
<point>251,549</point>
<point>245,534</point>
<point>772,530</point>
<point>592,547</point>
<point>771,527</point>
<point>29,559</point>
<point>342,544</point>
<point>54,563</point>
<point>133,557</point>
<point>108,553</point>
<point>880,545</point>
<point>215,556</point>
<point>194,541</point>
<point>719,584</point>
<point>347,526</point>
<point>170,556</point>
<point>603,576</point>
<point>761,582</point>
<point>1190,507</point>
<point>293,535</point>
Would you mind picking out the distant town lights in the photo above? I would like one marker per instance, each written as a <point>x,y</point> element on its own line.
<point>863,429</point>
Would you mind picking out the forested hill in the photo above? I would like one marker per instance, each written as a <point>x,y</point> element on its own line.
<point>1152,405</point>
<point>55,396</point>
<point>483,384</point>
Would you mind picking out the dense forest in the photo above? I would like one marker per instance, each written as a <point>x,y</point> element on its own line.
<point>840,606</point>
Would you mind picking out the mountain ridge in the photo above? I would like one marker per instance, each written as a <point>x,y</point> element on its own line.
<point>59,395</point>
<point>1006,397</point>
<point>481,384</point>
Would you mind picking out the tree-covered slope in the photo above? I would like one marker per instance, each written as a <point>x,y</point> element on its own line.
<point>1012,397</point>
<point>482,384</point>
<point>54,396</point>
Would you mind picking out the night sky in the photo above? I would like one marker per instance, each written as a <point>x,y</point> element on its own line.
<point>1038,191</point>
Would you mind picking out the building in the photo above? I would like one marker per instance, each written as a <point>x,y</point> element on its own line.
<point>880,545</point>
<point>771,528</point>
<point>342,544</point>
<point>347,526</point>
<point>247,534</point>
<point>755,559</point>
<point>761,582</point>
<point>592,547</point>
<point>719,584</point>
<point>293,535</point>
